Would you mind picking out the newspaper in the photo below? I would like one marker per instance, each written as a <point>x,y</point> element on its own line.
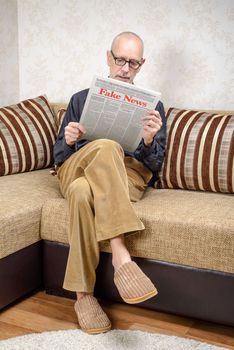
<point>114,110</point>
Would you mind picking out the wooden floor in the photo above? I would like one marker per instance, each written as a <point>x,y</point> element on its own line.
<point>42,312</point>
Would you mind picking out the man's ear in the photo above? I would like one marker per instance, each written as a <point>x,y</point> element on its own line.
<point>108,57</point>
<point>142,62</point>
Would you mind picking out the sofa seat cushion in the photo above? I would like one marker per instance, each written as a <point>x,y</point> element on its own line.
<point>22,196</point>
<point>184,227</point>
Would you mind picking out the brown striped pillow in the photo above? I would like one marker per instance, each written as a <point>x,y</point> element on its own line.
<point>200,151</point>
<point>27,135</point>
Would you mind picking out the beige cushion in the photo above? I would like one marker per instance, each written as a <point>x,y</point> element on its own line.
<point>21,200</point>
<point>183,227</point>
<point>27,132</point>
<point>59,110</point>
<point>200,149</point>
<point>60,116</point>
<point>57,106</point>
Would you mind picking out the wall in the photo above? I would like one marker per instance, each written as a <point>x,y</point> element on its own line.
<point>189,47</point>
<point>9,67</point>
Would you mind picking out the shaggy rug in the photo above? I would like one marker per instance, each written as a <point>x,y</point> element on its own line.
<point>113,340</point>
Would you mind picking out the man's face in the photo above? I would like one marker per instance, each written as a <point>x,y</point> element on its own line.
<point>129,49</point>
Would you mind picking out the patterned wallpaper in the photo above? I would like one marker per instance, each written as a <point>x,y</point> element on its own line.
<point>9,68</point>
<point>189,47</point>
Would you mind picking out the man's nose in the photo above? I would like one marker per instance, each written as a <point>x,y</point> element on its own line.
<point>125,67</point>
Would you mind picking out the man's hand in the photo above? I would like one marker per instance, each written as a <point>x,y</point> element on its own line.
<point>152,123</point>
<point>73,131</point>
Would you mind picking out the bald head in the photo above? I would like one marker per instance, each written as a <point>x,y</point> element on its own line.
<point>128,37</point>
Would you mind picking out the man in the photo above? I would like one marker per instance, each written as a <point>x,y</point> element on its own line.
<point>100,180</point>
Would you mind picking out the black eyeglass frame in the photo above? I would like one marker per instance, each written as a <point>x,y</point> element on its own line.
<point>126,61</point>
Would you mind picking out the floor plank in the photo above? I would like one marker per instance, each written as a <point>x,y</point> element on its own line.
<point>7,331</point>
<point>42,312</point>
<point>131,315</point>
<point>209,332</point>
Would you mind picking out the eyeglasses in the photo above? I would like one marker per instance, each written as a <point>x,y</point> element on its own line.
<point>120,61</point>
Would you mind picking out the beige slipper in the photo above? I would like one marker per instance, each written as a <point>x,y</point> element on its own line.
<point>133,285</point>
<point>92,319</point>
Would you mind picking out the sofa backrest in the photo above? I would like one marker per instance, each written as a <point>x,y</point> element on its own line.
<point>199,152</point>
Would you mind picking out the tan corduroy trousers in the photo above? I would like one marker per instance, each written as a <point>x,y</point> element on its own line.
<point>99,184</point>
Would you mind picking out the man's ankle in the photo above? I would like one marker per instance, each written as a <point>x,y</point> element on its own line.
<point>120,260</point>
<point>81,295</point>
<point>120,253</point>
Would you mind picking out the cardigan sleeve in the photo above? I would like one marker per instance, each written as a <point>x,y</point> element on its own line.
<point>152,156</point>
<point>62,150</point>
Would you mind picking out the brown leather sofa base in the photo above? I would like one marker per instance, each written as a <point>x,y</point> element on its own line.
<point>20,274</point>
<point>183,290</point>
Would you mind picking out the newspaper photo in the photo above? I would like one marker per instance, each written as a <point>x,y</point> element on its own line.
<point>114,110</point>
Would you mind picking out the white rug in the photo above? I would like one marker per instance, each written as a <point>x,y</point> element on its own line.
<point>113,340</point>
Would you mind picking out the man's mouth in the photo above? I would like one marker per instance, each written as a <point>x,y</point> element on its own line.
<point>123,78</point>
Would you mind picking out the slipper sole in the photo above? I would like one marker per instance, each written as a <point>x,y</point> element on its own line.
<point>142,298</point>
<point>96,330</point>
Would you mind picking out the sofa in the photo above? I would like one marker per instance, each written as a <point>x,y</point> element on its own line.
<point>187,247</point>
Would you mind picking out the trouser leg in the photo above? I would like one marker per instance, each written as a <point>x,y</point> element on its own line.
<point>84,250</point>
<point>95,182</point>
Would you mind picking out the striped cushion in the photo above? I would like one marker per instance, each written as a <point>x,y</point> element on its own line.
<point>27,135</point>
<point>200,150</point>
